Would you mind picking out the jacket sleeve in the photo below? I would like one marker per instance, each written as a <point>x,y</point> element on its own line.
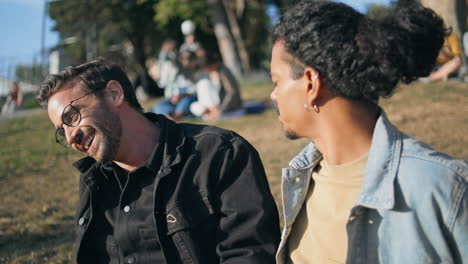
<point>460,234</point>
<point>248,230</point>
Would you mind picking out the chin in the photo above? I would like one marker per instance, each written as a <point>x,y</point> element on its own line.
<point>291,135</point>
<point>104,154</point>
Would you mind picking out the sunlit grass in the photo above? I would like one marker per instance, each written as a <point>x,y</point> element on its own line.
<point>39,186</point>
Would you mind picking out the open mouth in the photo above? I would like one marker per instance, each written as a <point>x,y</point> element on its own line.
<point>88,140</point>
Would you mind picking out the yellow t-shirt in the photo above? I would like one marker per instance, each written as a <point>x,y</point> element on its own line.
<point>449,50</point>
<point>319,232</point>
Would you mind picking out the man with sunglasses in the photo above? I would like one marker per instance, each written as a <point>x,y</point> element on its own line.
<point>154,191</point>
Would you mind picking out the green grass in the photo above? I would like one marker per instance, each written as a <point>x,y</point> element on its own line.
<point>29,102</point>
<point>39,188</point>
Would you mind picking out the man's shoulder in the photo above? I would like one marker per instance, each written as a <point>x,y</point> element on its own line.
<point>208,132</point>
<point>425,175</point>
<point>211,138</point>
<point>417,155</point>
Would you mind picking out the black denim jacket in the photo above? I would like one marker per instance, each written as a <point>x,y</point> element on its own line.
<point>212,202</point>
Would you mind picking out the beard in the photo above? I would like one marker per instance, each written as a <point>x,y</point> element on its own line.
<point>110,129</point>
<point>291,135</point>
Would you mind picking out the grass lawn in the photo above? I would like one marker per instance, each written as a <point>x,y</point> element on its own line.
<point>39,188</point>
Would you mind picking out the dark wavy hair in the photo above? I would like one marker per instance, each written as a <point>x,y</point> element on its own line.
<point>359,58</point>
<point>93,76</point>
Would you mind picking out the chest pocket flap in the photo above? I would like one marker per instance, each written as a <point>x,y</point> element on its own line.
<point>188,213</point>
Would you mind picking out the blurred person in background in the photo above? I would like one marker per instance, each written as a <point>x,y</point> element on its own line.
<point>151,190</point>
<point>167,63</point>
<point>449,59</point>
<point>14,99</point>
<point>227,89</point>
<point>362,191</point>
<point>144,84</point>
<point>190,44</point>
<point>180,92</point>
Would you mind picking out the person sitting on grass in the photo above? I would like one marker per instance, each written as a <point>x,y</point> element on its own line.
<point>181,91</point>
<point>227,89</point>
<point>152,190</point>
<point>449,59</point>
<point>362,191</point>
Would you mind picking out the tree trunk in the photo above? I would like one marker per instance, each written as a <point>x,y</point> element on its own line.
<point>223,35</point>
<point>243,54</point>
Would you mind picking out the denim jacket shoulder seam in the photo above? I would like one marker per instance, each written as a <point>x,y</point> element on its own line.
<point>457,171</point>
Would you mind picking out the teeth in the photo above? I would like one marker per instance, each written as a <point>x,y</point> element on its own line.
<point>88,142</point>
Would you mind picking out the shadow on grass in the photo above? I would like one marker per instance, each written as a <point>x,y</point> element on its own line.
<point>23,243</point>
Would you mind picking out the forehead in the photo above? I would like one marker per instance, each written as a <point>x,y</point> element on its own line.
<point>60,99</point>
<point>278,62</point>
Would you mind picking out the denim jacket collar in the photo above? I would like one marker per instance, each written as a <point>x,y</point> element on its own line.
<point>384,156</point>
<point>378,187</point>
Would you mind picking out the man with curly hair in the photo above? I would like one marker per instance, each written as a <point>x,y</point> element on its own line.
<point>362,191</point>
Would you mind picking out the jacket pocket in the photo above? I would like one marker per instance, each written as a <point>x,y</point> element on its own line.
<point>188,213</point>
<point>191,225</point>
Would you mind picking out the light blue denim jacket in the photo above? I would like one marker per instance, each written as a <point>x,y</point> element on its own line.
<point>413,206</point>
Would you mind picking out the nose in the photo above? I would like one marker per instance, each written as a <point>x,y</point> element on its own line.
<point>72,135</point>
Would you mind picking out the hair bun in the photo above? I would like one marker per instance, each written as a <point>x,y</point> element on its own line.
<point>416,36</point>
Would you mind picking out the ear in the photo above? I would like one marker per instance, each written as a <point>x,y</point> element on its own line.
<point>314,84</point>
<point>114,93</point>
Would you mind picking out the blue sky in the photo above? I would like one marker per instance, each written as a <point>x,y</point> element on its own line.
<point>20,28</point>
<point>361,5</point>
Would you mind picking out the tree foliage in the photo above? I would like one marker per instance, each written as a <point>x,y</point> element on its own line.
<point>116,24</point>
<point>128,32</point>
<point>251,17</point>
<point>378,11</point>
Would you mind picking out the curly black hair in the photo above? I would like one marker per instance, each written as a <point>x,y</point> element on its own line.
<point>93,76</point>
<point>359,58</point>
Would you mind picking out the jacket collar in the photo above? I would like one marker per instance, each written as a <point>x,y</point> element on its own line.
<point>382,165</point>
<point>170,145</point>
<point>307,158</point>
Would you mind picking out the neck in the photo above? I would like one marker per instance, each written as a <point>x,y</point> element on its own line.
<point>139,137</point>
<point>345,130</point>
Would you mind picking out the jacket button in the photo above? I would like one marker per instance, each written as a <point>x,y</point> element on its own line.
<point>298,179</point>
<point>127,208</point>
<point>131,260</point>
<point>81,221</point>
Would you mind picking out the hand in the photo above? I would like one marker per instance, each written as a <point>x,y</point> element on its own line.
<point>212,114</point>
